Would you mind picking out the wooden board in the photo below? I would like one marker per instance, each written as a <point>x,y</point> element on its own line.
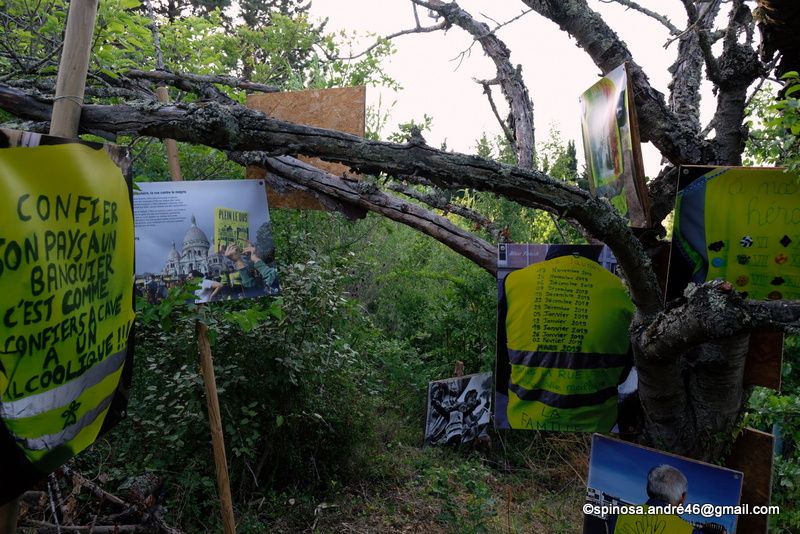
<point>752,454</point>
<point>764,360</point>
<point>342,109</point>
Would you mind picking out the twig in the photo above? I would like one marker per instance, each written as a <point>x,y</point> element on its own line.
<point>418,29</point>
<point>487,90</point>
<point>673,30</point>
<point>94,488</point>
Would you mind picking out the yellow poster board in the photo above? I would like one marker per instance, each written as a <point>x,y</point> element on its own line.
<point>66,276</point>
<point>231,227</point>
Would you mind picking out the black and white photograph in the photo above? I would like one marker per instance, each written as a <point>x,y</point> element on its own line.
<point>458,409</point>
<point>180,229</point>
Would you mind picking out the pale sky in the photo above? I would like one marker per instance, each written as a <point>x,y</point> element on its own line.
<point>554,68</point>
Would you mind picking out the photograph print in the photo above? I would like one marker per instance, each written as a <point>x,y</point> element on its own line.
<point>213,237</point>
<point>624,474</point>
<point>611,146</point>
<point>459,409</point>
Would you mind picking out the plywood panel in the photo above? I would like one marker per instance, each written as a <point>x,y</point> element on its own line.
<point>342,109</point>
<point>752,454</point>
<point>764,360</point>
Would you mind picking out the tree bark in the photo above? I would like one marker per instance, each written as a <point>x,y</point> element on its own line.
<point>508,77</point>
<point>240,129</point>
<point>369,197</point>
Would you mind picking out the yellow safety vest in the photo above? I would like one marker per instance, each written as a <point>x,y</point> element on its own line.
<point>743,226</point>
<point>652,524</point>
<point>67,303</point>
<point>567,323</point>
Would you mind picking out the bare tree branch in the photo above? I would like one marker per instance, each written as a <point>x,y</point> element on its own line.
<point>687,70</point>
<point>240,129</point>
<point>174,77</point>
<point>508,77</point>
<point>673,30</point>
<point>370,197</point>
<point>487,90</point>
<point>437,200</point>
<point>417,29</point>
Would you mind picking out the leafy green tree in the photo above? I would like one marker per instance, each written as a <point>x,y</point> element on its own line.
<point>775,126</point>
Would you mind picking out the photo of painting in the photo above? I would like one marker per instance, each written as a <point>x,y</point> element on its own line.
<point>458,409</point>
<point>173,223</point>
<point>640,478</point>
<point>611,146</point>
<point>66,277</point>
<point>737,224</point>
<point>563,350</point>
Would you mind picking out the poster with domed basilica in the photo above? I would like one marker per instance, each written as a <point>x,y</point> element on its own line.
<point>212,237</point>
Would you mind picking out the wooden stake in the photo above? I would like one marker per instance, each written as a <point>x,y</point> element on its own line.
<point>215,421</point>
<point>172,146</point>
<point>204,346</point>
<point>8,517</point>
<point>71,82</point>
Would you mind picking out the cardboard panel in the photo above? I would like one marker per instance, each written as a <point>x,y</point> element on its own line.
<point>342,109</point>
<point>752,454</point>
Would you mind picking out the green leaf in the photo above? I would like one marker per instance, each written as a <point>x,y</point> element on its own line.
<point>793,89</point>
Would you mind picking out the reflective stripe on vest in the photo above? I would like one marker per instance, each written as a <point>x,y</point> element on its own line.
<point>564,376</point>
<point>62,395</point>
<point>51,441</point>
<point>65,422</point>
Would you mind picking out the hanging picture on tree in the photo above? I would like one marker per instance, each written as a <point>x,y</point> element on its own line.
<point>737,224</point>
<point>173,249</point>
<point>563,349</point>
<point>611,145</point>
<point>66,276</point>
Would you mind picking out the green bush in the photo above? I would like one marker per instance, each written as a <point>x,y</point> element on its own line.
<point>769,409</point>
<point>292,389</point>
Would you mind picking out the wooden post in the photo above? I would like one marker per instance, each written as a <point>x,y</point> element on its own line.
<point>71,82</point>
<point>209,378</point>
<point>172,146</point>
<point>215,421</point>
<point>8,517</point>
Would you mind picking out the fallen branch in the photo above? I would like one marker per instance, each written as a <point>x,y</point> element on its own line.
<point>241,129</point>
<point>436,200</point>
<point>177,77</point>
